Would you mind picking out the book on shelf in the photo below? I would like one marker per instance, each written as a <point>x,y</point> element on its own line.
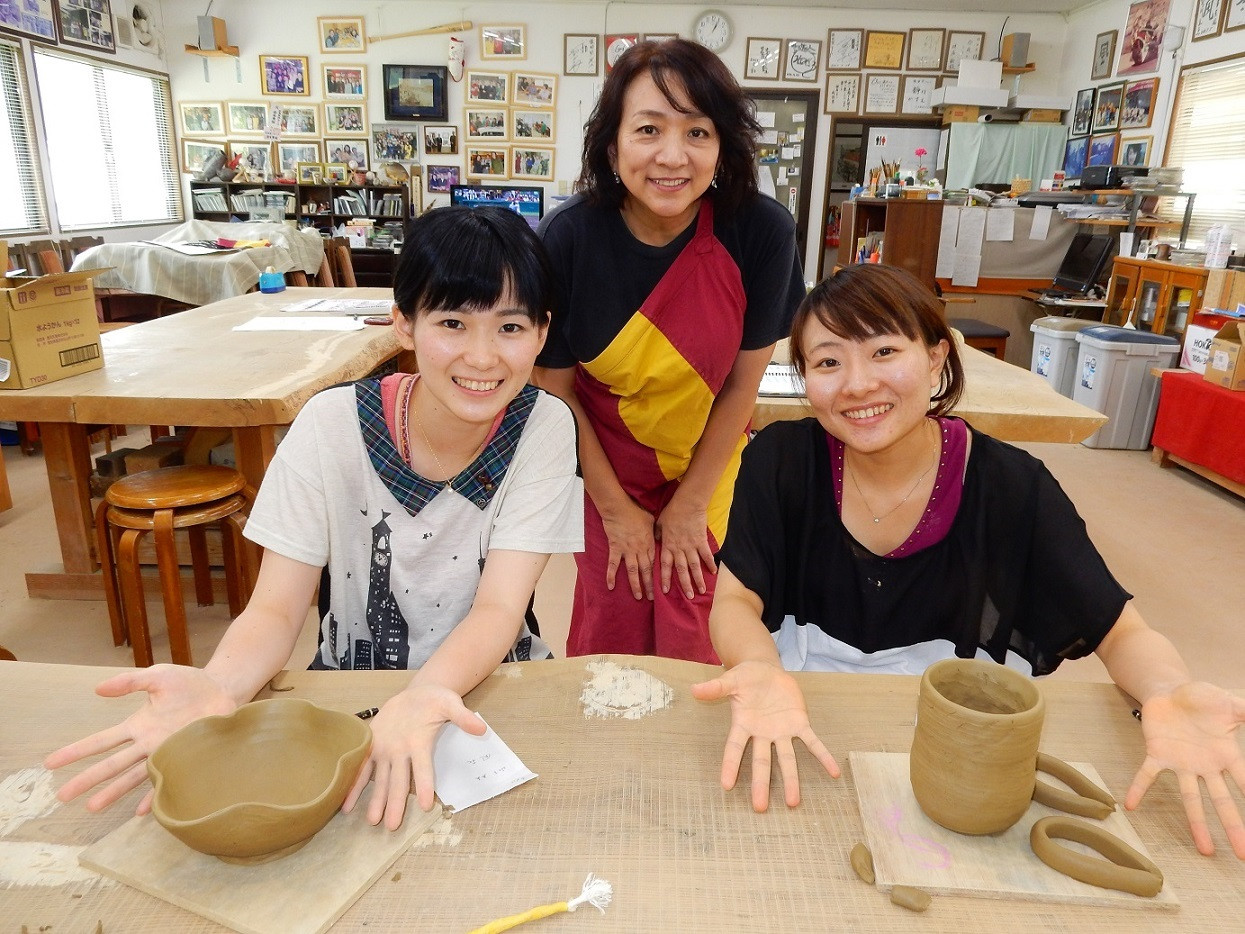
<point>351,203</point>
<point>210,199</point>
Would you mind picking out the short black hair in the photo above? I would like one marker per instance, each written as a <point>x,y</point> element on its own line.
<point>460,257</point>
<point>676,64</point>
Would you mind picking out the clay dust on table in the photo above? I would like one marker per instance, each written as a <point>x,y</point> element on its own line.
<point>630,693</point>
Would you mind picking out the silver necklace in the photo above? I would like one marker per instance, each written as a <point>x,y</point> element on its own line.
<point>895,508</point>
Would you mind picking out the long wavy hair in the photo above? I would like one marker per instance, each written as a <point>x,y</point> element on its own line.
<point>681,69</point>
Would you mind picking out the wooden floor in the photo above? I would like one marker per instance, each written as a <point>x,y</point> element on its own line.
<point>1174,540</point>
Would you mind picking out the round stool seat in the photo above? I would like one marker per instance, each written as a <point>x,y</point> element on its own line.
<point>184,517</point>
<point>173,487</point>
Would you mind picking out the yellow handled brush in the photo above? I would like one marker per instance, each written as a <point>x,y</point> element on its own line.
<point>596,892</point>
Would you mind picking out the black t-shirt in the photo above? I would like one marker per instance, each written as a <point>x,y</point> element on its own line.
<point>1016,570</point>
<point>602,274</point>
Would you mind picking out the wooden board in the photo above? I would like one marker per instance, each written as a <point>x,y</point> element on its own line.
<point>304,893</point>
<point>910,849</point>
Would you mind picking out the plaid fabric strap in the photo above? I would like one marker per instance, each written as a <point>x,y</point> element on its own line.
<point>477,482</point>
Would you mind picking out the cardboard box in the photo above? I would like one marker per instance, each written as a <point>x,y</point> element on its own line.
<point>1039,115</point>
<point>4,255</point>
<point>960,113</point>
<point>1196,349</point>
<point>48,329</point>
<point>1225,290</point>
<point>1226,365</point>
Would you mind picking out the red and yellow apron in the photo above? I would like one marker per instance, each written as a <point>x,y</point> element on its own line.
<point>648,396</point>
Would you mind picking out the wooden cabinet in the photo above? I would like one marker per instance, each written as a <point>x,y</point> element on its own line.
<point>320,206</point>
<point>905,229</point>
<point>1154,295</point>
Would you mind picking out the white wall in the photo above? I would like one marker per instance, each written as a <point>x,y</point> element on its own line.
<point>286,28</point>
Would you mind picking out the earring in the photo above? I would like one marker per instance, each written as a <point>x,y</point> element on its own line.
<point>714,183</point>
<point>617,180</point>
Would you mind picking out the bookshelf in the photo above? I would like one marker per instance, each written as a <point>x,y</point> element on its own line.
<point>905,231</point>
<point>320,206</point>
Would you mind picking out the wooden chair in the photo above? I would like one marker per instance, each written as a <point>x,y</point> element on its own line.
<point>324,278</point>
<point>344,262</point>
<point>162,501</point>
<point>988,337</point>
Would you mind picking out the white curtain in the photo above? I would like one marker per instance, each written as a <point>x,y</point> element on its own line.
<point>995,153</point>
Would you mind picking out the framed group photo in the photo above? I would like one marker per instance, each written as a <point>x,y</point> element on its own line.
<point>415,92</point>
<point>1083,112</point>
<point>1107,108</point>
<point>301,120</point>
<point>345,81</point>
<point>342,34</point>
<point>346,151</point>
<point>507,41</point>
<point>486,124</point>
<point>196,152</point>
<point>441,140</point>
<point>249,118</point>
<point>255,157</point>
<point>1102,149</point>
<point>441,177</point>
<point>534,90</point>
<point>33,18</point>
<point>532,162</point>
<point>202,117</point>
<point>84,23</point>
<point>284,74</point>
<point>488,87</point>
<point>345,119</point>
<point>1137,107</point>
<point>395,143</point>
<point>484,162</point>
<point>536,125</point>
<point>289,155</point>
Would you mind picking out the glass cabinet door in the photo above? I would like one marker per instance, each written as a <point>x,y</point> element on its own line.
<point>1177,316</point>
<point>1149,295</point>
<point>1120,295</point>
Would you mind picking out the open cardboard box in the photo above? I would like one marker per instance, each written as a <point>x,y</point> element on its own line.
<point>48,328</point>
<point>1226,365</point>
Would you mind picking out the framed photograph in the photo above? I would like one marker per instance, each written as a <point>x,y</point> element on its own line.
<point>84,23</point>
<point>202,117</point>
<point>801,60</point>
<point>248,118</point>
<point>33,18</point>
<point>399,143</point>
<point>415,92</point>
<point>916,97</point>
<point>196,152</point>
<point>1234,18</point>
<point>762,59</point>
<point>256,158</point>
<point>345,120</point>
<point>1075,152</point>
<point>1135,151</point>
<point>310,173</point>
<point>440,140</point>
<point>1102,149</point>
<point>581,55</point>
<point>846,154</point>
<point>345,81</point>
<point>1143,36</point>
<point>336,173</point>
<point>535,162</point>
<point>884,49</point>
<point>615,45</point>
<point>1107,108</point>
<point>925,49</point>
<point>347,151</point>
<point>301,120</point>
<point>488,87</point>
<point>881,94</point>
<point>1207,21</point>
<point>508,41</point>
<point>486,124</point>
<point>441,177</point>
<point>962,45</point>
<point>341,34</point>
<point>289,155</point>
<point>283,74</point>
<point>534,90</point>
<point>1137,108</point>
<point>1104,55</point>
<point>842,93</point>
<point>844,48</point>
<point>487,161</point>
<point>1083,112</point>
<point>535,125</point>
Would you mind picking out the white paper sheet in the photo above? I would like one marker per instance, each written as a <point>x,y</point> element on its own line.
<point>471,769</point>
<point>1001,224</point>
<point>293,323</point>
<point>348,306</point>
<point>766,118</point>
<point>780,380</point>
<point>946,241</point>
<point>968,246</point>
<point>1041,222</point>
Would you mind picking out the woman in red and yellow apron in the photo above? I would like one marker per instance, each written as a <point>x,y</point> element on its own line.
<point>673,278</point>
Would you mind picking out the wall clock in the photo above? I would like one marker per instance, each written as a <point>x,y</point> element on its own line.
<point>713,30</point>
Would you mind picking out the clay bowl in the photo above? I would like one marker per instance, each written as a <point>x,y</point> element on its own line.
<point>259,783</point>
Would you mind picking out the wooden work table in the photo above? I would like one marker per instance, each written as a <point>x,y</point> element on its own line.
<point>1002,400</point>
<point>637,802</point>
<point>190,369</point>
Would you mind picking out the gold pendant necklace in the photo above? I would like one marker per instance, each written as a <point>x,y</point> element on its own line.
<point>414,410</point>
<point>876,518</point>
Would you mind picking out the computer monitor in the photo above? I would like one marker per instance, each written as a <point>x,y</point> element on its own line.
<point>1084,262</point>
<point>527,202</point>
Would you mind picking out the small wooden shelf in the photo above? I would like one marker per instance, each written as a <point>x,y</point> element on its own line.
<point>1019,69</point>
<point>229,50</point>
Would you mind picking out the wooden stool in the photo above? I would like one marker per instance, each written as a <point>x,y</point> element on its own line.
<point>162,501</point>
<point>987,337</point>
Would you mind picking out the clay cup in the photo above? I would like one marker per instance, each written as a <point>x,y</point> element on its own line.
<point>974,755</point>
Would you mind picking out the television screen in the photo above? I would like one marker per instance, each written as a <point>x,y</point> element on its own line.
<point>1084,262</point>
<point>528,203</point>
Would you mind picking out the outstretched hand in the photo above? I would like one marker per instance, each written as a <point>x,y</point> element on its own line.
<point>1193,731</point>
<point>767,708</point>
<point>403,736</point>
<point>176,695</point>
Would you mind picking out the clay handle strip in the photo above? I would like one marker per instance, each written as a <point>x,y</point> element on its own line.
<point>1124,868</point>
<point>1085,799</point>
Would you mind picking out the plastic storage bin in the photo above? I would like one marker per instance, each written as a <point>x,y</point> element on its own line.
<point>1055,350</point>
<point>1113,377</point>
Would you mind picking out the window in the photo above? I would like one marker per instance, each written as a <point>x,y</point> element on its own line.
<point>21,192</point>
<point>1207,140</point>
<point>108,143</point>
